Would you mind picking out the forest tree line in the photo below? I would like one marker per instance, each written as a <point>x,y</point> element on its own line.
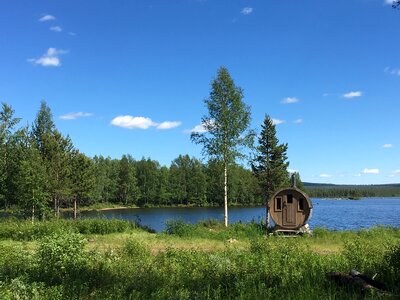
<point>351,191</point>
<point>41,171</point>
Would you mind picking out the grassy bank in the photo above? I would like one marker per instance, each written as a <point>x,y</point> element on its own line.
<point>100,259</point>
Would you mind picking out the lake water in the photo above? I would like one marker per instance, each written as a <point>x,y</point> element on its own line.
<point>332,214</point>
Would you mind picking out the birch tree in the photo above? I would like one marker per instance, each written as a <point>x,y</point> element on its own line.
<point>226,126</point>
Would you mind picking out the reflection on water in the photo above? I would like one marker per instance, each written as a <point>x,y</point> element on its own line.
<point>332,214</point>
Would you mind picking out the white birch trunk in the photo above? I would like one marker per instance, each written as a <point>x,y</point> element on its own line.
<point>226,195</point>
<point>75,209</point>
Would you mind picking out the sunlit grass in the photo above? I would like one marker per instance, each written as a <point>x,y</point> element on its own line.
<point>113,260</point>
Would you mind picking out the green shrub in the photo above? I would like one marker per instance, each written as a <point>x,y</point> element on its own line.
<point>136,250</point>
<point>179,228</point>
<point>60,256</point>
<point>364,255</point>
<point>26,231</point>
<point>14,262</point>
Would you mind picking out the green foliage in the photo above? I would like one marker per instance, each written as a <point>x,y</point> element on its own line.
<point>41,171</point>
<point>212,229</point>
<point>136,250</point>
<point>270,162</point>
<point>364,256</point>
<point>128,191</point>
<point>270,267</point>
<point>225,126</point>
<point>60,255</point>
<point>178,227</point>
<point>26,231</point>
<point>187,181</point>
<point>299,183</point>
<point>148,172</point>
<point>14,262</point>
<point>8,139</point>
<point>82,177</point>
<point>352,191</point>
<point>227,121</point>
<point>32,184</point>
<point>102,226</point>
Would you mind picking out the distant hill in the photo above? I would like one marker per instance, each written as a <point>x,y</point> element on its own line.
<point>329,190</point>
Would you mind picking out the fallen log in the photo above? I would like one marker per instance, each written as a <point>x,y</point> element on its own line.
<point>369,280</point>
<point>361,282</point>
<point>348,280</point>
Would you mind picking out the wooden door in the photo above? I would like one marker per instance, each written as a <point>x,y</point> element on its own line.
<point>289,211</point>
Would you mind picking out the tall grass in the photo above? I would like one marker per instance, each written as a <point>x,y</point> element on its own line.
<point>26,231</point>
<point>272,268</point>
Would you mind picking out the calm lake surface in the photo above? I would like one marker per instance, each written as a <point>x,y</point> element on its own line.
<point>332,214</point>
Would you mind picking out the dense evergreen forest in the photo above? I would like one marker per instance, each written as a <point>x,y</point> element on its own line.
<point>41,171</point>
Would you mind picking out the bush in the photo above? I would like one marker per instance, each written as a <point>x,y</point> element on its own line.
<point>26,231</point>
<point>179,228</point>
<point>60,256</point>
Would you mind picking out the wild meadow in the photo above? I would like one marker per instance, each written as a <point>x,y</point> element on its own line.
<point>114,259</point>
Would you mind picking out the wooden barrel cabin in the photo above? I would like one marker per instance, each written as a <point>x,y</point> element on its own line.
<point>290,209</point>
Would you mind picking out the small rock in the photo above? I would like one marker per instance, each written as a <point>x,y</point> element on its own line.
<point>231,241</point>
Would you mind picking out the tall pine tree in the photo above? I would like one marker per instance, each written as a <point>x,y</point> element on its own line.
<point>270,162</point>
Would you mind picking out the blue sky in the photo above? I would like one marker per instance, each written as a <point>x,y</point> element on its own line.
<point>131,76</point>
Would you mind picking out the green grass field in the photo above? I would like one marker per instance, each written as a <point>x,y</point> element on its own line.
<point>113,259</point>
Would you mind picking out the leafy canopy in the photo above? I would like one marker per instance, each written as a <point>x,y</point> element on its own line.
<point>227,120</point>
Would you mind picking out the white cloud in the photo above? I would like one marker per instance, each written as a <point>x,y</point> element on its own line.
<point>247,10</point>
<point>387,146</point>
<point>298,121</point>
<point>389,2</point>
<point>325,94</point>
<point>168,124</point>
<point>290,100</point>
<point>72,33</point>
<point>371,171</point>
<point>358,175</point>
<point>56,28</point>
<point>133,122</point>
<point>75,115</point>
<point>47,18</point>
<point>196,129</point>
<point>201,128</point>
<point>277,121</point>
<point>350,95</point>
<point>49,59</point>
<point>142,123</point>
<point>325,175</point>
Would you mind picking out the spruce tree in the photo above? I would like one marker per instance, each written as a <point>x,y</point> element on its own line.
<point>42,128</point>
<point>270,162</point>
